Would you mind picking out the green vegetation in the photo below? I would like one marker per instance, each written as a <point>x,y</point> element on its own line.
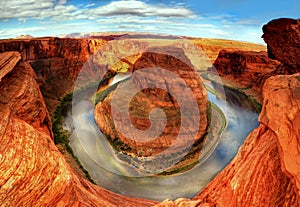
<point>61,136</point>
<point>210,89</point>
<point>99,97</point>
<point>256,105</point>
<point>117,144</point>
<point>227,85</point>
<point>216,129</point>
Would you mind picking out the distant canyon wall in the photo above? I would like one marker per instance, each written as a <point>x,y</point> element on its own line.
<point>33,171</point>
<point>266,170</point>
<point>56,62</point>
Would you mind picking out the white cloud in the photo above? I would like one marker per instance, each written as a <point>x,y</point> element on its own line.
<point>37,9</point>
<point>60,10</point>
<point>8,33</point>
<point>59,17</point>
<point>139,8</point>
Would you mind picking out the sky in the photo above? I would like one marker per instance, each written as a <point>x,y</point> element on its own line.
<point>225,19</point>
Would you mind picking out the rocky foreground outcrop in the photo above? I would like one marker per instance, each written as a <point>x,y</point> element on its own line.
<point>265,171</point>
<point>56,63</point>
<point>249,70</point>
<point>159,78</point>
<point>32,170</point>
<point>283,39</point>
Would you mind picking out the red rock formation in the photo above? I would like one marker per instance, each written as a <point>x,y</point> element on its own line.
<point>32,170</point>
<point>56,62</point>
<point>8,62</point>
<point>282,114</point>
<point>265,171</point>
<point>283,38</point>
<point>151,95</point>
<point>246,69</point>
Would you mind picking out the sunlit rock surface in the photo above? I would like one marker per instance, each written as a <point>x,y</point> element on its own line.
<point>157,89</point>
<point>56,62</point>
<point>32,170</point>
<point>34,173</point>
<point>265,171</point>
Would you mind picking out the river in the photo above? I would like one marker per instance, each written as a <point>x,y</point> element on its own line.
<point>99,159</point>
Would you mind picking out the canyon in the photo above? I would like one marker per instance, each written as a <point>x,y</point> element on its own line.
<point>39,72</point>
<point>246,70</point>
<point>265,170</point>
<point>165,93</point>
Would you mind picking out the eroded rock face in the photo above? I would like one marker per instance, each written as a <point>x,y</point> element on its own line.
<point>33,171</point>
<point>56,63</point>
<point>157,89</point>
<point>283,38</point>
<point>20,94</point>
<point>246,69</point>
<point>282,114</point>
<point>265,171</point>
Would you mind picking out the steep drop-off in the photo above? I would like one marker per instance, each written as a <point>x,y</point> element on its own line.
<point>265,171</point>
<point>160,81</point>
<point>56,62</point>
<point>247,70</point>
<point>33,171</point>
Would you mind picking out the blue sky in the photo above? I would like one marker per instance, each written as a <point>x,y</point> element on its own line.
<point>227,19</point>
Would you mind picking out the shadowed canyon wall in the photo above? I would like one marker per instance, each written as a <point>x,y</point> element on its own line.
<point>248,70</point>
<point>153,81</point>
<point>33,172</point>
<point>56,62</point>
<point>265,171</point>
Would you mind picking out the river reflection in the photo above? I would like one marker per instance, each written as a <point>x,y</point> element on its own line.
<point>98,157</point>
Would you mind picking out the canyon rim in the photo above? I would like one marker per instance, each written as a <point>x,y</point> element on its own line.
<point>179,110</point>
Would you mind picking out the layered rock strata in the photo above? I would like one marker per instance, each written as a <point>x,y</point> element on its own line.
<point>33,171</point>
<point>56,62</point>
<point>283,39</point>
<point>265,171</point>
<point>246,69</point>
<point>159,80</point>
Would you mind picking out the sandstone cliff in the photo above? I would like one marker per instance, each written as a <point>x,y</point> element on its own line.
<point>265,171</point>
<point>246,69</point>
<point>283,39</point>
<point>56,62</point>
<point>152,84</point>
<point>33,171</point>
